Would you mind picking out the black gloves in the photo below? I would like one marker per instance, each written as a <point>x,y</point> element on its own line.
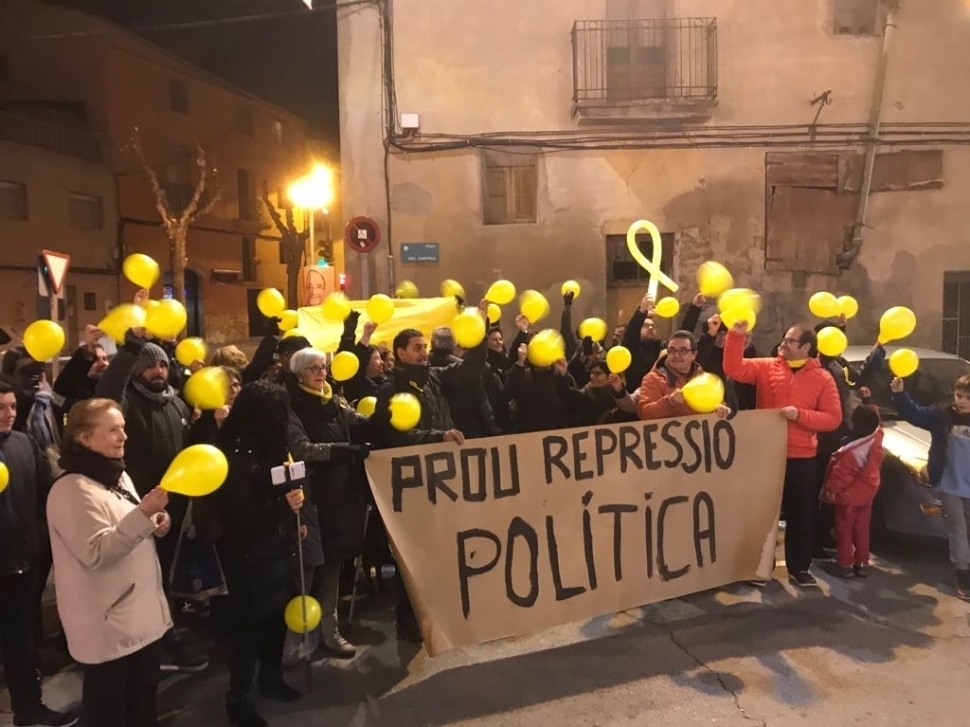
<point>350,323</point>
<point>567,299</point>
<point>348,453</point>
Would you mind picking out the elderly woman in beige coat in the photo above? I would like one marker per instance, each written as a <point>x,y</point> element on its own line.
<point>106,572</point>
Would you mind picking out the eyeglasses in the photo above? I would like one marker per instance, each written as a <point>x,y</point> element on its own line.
<point>679,351</point>
<point>316,369</point>
<point>794,342</point>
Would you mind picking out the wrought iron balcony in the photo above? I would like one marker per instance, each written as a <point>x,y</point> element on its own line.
<point>664,59</point>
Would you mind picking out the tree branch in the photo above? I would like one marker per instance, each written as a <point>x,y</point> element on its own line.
<point>158,192</point>
<point>273,212</point>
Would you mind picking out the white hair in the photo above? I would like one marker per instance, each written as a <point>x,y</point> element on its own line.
<point>302,360</point>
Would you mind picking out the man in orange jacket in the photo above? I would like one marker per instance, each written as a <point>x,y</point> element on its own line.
<point>795,383</point>
<point>660,391</point>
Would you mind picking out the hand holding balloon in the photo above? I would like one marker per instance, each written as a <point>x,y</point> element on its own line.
<point>153,503</point>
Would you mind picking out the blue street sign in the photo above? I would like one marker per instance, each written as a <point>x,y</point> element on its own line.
<point>419,252</point>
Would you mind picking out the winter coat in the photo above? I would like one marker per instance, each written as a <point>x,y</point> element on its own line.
<point>338,485</point>
<point>809,389</point>
<point>106,571</point>
<point>654,400</point>
<point>644,353</point>
<point>23,524</point>
<point>846,379</point>
<point>939,421</point>
<point>470,407</point>
<point>852,474</point>
<point>73,382</point>
<point>543,399</point>
<point>603,405</point>
<point>256,535</point>
<point>711,359</point>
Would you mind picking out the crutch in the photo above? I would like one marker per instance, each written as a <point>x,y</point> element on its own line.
<point>358,569</point>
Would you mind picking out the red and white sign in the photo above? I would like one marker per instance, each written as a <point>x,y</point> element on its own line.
<point>57,264</point>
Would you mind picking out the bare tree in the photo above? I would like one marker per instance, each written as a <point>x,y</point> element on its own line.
<point>176,223</point>
<point>292,244</point>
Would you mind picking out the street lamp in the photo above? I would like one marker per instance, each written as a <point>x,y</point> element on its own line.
<point>311,193</point>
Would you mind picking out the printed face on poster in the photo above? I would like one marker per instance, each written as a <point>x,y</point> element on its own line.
<point>316,283</point>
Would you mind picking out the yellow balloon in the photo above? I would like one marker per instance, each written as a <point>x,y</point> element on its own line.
<point>896,323</point>
<point>43,340</point>
<point>367,406</point>
<point>303,614</point>
<point>451,288</point>
<point>288,320</point>
<point>141,270</point>
<point>595,328</point>
<point>165,320</point>
<point>546,347</point>
<point>848,306</point>
<point>534,305</point>
<point>571,286</point>
<point>270,302</point>
<point>739,297</point>
<point>207,388</point>
<point>469,328</point>
<point>501,292</point>
<point>406,289</point>
<point>344,366</point>
<point>737,314</point>
<point>667,307</point>
<point>618,359</point>
<point>380,308</point>
<point>832,342</point>
<point>823,305</point>
<point>405,411</point>
<point>4,477</point>
<point>713,279</point>
<point>196,471</point>
<point>336,307</point>
<point>704,393</point>
<point>121,319</point>
<point>190,350</point>
<point>903,362</point>
<point>494,313</point>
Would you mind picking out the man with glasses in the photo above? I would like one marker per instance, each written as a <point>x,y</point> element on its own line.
<point>660,391</point>
<point>796,384</point>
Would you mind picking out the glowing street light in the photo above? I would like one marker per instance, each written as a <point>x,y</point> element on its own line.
<point>313,192</point>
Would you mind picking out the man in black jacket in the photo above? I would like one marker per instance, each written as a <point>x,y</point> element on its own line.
<point>643,342</point>
<point>23,532</point>
<point>157,425</point>
<point>79,377</point>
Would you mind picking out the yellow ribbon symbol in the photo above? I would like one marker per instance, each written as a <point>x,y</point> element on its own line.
<point>657,275</point>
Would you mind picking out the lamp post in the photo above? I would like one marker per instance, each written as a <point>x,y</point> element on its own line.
<point>311,193</point>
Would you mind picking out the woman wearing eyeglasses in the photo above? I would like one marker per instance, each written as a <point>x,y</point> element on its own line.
<point>331,437</point>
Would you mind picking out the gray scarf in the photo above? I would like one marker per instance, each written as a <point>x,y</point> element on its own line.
<point>159,397</point>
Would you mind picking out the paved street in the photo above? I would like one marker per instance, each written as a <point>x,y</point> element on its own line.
<point>890,650</point>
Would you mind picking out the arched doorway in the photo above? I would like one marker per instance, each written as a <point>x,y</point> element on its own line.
<point>193,302</point>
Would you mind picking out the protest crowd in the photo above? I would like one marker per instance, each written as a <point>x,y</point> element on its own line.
<point>84,456</point>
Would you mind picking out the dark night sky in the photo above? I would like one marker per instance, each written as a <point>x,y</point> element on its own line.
<point>289,59</point>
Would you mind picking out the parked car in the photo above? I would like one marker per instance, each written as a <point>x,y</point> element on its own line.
<point>906,504</point>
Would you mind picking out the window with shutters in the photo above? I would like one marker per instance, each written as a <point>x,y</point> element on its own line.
<point>13,200</point>
<point>510,189</point>
<point>857,17</point>
<point>85,212</point>
<point>956,313</point>
<point>249,259</point>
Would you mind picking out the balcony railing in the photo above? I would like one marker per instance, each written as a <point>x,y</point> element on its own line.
<point>644,60</point>
<point>41,135</point>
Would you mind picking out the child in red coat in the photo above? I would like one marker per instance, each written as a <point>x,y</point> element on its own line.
<point>851,482</point>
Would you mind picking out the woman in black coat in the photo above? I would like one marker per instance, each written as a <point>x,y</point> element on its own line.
<point>332,439</point>
<point>252,523</point>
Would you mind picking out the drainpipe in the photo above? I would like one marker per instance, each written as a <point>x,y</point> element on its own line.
<point>848,257</point>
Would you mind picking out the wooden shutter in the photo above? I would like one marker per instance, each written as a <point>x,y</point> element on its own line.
<point>496,195</point>
<point>524,203</point>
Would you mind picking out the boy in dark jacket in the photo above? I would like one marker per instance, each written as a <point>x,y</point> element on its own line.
<point>948,466</point>
<point>851,482</point>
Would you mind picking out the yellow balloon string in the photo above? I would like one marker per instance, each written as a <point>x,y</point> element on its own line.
<point>657,275</point>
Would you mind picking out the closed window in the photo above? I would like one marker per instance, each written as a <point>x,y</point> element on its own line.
<point>249,259</point>
<point>278,132</point>
<point>509,189</point>
<point>178,96</point>
<point>13,200</point>
<point>90,301</point>
<point>85,212</point>
<point>857,17</point>
<point>622,270</point>
<point>956,313</point>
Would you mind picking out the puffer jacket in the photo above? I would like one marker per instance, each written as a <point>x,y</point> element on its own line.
<point>852,475</point>
<point>809,389</point>
<point>657,386</point>
<point>23,524</point>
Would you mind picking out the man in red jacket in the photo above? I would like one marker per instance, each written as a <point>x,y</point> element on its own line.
<point>795,383</point>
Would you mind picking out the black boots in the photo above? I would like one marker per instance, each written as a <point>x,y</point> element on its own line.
<point>242,711</point>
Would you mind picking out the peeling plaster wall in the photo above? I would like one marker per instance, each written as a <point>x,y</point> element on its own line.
<point>773,58</point>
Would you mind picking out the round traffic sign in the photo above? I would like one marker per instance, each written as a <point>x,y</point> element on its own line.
<point>362,234</point>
